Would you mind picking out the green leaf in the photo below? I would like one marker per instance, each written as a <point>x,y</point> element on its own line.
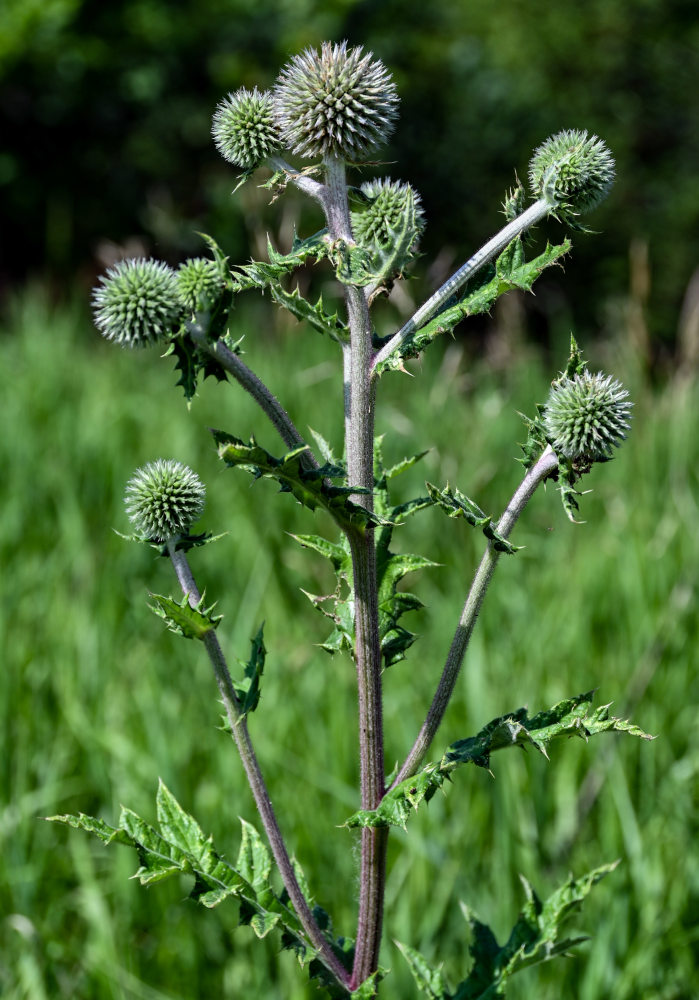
<point>193,363</point>
<point>311,487</point>
<point>248,690</point>
<point>534,938</point>
<point>429,980</point>
<point>182,619</point>
<point>392,567</point>
<point>180,847</point>
<point>572,717</point>
<point>314,315</point>
<point>456,504</point>
<point>510,271</point>
<point>261,275</point>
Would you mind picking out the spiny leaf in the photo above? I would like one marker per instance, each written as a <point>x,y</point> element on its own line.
<point>180,847</point>
<point>510,271</point>
<point>533,939</point>
<point>310,486</point>
<point>193,363</point>
<point>314,315</point>
<point>182,619</point>
<point>572,717</point>
<point>456,504</point>
<point>258,274</point>
<point>430,981</point>
<point>392,567</point>
<point>248,690</point>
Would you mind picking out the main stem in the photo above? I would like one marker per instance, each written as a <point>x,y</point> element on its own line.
<point>359,424</point>
<point>243,742</point>
<point>546,464</point>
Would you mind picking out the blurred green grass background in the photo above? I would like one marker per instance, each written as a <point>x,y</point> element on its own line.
<point>98,700</point>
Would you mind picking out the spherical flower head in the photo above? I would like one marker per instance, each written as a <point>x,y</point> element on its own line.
<point>573,171</point>
<point>243,128</point>
<point>163,499</point>
<point>587,416</point>
<point>388,204</point>
<point>199,283</point>
<point>137,303</point>
<point>336,102</point>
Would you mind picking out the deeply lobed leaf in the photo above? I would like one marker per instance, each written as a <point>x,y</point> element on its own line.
<point>572,717</point>
<point>533,939</point>
<point>311,487</point>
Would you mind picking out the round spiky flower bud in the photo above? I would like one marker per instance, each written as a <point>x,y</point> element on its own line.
<point>137,303</point>
<point>243,128</point>
<point>573,171</point>
<point>163,499</point>
<point>587,416</point>
<point>336,102</point>
<point>199,283</point>
<point>389,205</point>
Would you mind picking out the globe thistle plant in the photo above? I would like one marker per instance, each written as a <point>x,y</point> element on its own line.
<point>587,416</point>
<point>573,171</point>
<point>387,203</point>
<point>335,102</point>
<point>163,499</point>
<point>339,104</point>
<point>243,128</point>
<point>199,283</point>
<point>137,303</point>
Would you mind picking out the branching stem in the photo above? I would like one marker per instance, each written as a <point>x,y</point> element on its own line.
<point>535,213</point>
<point>302,181</point>
<point>544,467</point>
<point>255,387</point>
<point>243,742</point>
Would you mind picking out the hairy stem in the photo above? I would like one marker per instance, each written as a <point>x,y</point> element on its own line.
<point>544,467</point>
<point>243,742</point>
<point>256,388</point>
<point>431,307</point>
<point>359,443</point>
<point>300,180</point>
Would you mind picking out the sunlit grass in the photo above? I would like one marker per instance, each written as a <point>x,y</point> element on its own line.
<point>98,700</point>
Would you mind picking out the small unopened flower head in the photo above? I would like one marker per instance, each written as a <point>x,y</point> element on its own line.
<point>199,283</point>
<point>137,302</point>
<point>336,101</point>
<point>587,416</point>
<point>388,204</point>
<point>243,128</point>
<point>573,171</point>
<point>163,499</point>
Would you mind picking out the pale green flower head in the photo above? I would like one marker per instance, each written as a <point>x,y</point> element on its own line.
<point>163,499</point>
<point>199,283</point>
<point>244,129</point>
<point>386,205</point>
<point>137,303</point>
<point>573,171</point>
<point>335,102</point>
<point>587,416</point>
